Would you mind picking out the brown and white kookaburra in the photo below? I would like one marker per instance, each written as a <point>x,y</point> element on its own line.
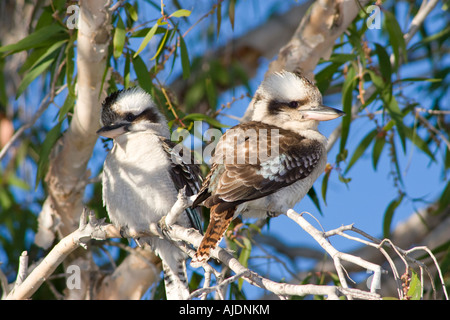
<point>142,175</point>
<point>265,166</point>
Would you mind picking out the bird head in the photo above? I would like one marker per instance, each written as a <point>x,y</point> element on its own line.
<point>128,111</point>
<point>289,100</point>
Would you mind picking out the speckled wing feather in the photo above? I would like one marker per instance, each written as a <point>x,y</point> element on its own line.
<point>185,173</point>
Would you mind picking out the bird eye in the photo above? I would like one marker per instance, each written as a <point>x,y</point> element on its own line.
<point>293,104</point>
<point>129,117</point>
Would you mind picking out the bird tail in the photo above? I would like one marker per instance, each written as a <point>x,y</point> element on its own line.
<point>175,280</point>
<point>174,268</point>
<point>218,224</point>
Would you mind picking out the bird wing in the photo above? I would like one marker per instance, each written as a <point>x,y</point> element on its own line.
<point>253,160</point>
<point>184,172</point>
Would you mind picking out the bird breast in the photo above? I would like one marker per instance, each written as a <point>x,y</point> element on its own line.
<point>137,188</point>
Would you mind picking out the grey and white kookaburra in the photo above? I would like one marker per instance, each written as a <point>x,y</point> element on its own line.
<point>142,177</point>
<point>265,166</point>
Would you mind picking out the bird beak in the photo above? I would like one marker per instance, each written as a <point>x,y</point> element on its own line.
<point>113,131</point>
<point>322,113</point>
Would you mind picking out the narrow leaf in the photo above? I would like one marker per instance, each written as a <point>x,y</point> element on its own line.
<point>132,11</point>
<point>36,39</point>
<point>231,12</point>
<point>185,59</point>
<point>384,62</point>
<point>50,140</point>
<point>325,187</point>
<point>33,74</point>
<point>244,256</point>
<point>444,200</point>
<point>203,117</point>
<point>411,134</point>
<point>347,99</point>
<point>146,40</point>
<point>363,145</point>
<point>126,71</point>
<point>389,214</point>
<point>390,103</point>
<point>119,38</point>
<point>415,287</point>
<point>395,36</point>
<point>180,13</point>
<point>161,44</point>
<point>378,146</point>
<point>219,18</point>
<point>67,106</point>
<point>315,199</point>
<point>142,74</point>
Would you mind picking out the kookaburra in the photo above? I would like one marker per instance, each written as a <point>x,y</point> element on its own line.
<point>265,166</point>
<point>142,176</point>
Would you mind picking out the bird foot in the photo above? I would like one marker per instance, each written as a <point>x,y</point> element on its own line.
<point>165,228</point>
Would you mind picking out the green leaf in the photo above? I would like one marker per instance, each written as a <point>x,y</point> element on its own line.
<point>244,256</point>
<point>17,182</point>
<point>219,18</point>
<point>52,136</point>
<point>119,38</point>
<point>415,287</point>
<point>132,11</point>
<point>315,199</point>
<point>417,79</point>
<point>211,93</point>
<point>389,214</point>
<point>363,145</point>
<point>67,106</point>
<point>142,74</point>
<point>377,80</point>
<point>185,59</point>
<point>325,76</point>
<point>180,13</point>
<point>33,74</point>
<point>347,100</point>
<point>325,187</point>
<point>40,54</point>
<point>203,117</point>
<point>231,12</point>
<point>390,103</point>
<point>36,39</point>
<point>126,71</point>
<point>378,146</point>
<point>384,62</point>
<point>161,44</point>
<point>395,36</point>
<point>146,40</point>
<point>411,134</point>
<point>341,58</point>
<point>444,200</point>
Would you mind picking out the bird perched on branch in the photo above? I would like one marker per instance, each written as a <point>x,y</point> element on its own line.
<point>142,176</point>
<point>264,167</point>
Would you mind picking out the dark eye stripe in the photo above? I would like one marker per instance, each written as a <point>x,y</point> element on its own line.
<point>276,106</point>
<point>148,114</point>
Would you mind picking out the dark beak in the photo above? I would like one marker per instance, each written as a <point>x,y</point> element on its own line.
<point>322,113</point>
<point>114,130</point>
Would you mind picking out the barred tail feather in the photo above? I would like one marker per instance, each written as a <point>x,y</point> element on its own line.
<point>218,224</point>
<point>174,268</point>
<point>175,280</point>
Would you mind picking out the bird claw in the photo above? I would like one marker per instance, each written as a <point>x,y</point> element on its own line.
<point>165,228</point>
